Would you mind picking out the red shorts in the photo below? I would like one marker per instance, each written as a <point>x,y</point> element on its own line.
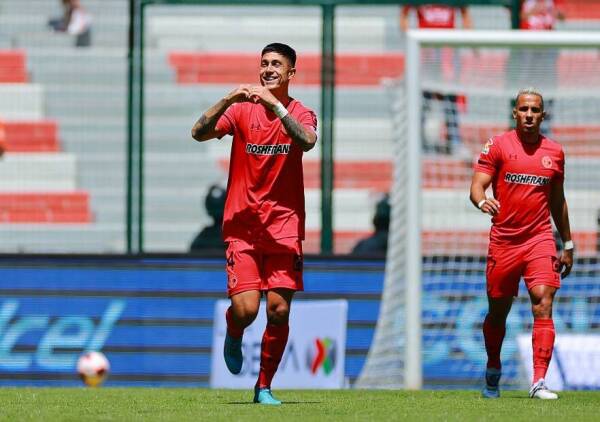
<point>264,265</point>
<point>536,262</point>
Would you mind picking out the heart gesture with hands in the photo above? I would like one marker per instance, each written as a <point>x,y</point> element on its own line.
<point>262,95</point>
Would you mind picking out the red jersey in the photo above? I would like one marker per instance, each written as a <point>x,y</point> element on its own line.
<point>543,16</point>
<point>435,16</point>
<point>265,190</point>
<point>522,178</point>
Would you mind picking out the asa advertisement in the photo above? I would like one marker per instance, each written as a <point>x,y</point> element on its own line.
<point>314,356</point>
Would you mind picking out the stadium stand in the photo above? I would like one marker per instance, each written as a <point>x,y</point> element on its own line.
<point>83,93</point>
<point>37,181</point>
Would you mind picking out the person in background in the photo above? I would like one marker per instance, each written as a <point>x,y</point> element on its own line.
<point>376,244</point>
<point>438,16</point>
<point>526,64</point>
<point>211,237</point>
<point>540,15</point>
<point>74,21</point>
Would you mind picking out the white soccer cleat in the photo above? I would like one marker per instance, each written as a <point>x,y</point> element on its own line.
<point>540,391</point>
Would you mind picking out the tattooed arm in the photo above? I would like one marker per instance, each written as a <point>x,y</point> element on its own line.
<point>205,127</point>
<point>305,138</point>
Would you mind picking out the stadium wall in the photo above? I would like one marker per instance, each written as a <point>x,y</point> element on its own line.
<point>153,315</point>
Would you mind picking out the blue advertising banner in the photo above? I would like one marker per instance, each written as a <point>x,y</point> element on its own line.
<point>153,317</point>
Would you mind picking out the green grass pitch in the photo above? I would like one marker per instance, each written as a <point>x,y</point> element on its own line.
<point>156,404</point>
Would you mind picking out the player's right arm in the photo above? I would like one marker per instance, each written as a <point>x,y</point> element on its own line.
<point>479,184</point>
<point>206,126</point>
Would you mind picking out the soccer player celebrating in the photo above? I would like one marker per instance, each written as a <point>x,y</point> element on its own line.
<point>263,223</point>
<point>526,171</point>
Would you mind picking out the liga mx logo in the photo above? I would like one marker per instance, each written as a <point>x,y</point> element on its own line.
<point>321,355</point>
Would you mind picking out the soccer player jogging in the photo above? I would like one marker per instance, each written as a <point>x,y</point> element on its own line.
<point>263,223</point>
<point>526,171</point>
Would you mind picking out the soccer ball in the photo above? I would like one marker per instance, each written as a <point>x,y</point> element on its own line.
<point>93,368</point>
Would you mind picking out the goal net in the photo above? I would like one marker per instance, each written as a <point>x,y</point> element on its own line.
<point>458,91</point>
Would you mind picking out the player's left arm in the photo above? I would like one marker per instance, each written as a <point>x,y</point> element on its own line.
<point>304,137</point>
<point>560,215</point>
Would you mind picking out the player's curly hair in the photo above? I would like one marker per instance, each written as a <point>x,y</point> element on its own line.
<point>283,49</point>
<point>529,91</point>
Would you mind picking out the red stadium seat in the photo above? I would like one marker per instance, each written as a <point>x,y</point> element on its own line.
<point>235,68</point>
<point>580,140</point>
<point>12,66</point>
<point>573,68</point>
<point>373,175</point>
<point>459,242</point>
<point>47,207</point>
<point>581,9</point>
<point>484,69</point>
<point>343,241</point>
<point>439,242</point>
<point>31,136</point>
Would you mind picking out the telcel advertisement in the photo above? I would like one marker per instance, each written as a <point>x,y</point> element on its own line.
<point>314,355</point>
<point>59,336</point>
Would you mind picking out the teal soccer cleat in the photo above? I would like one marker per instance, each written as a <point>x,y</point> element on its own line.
<point>492,381</point>
<point>264,396</point>
<point>232,352</point>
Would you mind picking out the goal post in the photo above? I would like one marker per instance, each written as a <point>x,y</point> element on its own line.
<point>433,250</point>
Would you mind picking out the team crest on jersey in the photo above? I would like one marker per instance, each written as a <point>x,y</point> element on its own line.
<point>486,147</point>
<point>547,162</point>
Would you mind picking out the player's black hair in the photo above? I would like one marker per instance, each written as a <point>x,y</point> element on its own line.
<point>283,49</point>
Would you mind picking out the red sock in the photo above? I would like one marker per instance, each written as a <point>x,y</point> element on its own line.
<point>272,347</point>
<point>232,329</point>
<point>542,341</point>
<point>493,336</point>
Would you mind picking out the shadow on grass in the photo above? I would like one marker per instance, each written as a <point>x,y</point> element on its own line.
<point>283,404</point>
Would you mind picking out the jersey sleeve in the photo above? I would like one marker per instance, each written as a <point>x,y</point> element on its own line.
<point>490,158</point>
<point>226,122</point>
<point>560,171</point>
<point>308,119</point>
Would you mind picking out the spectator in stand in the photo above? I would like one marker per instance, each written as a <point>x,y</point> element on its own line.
<point>376,244</point>
<point>540,14</point>
<point>74,21</point>
<point>437,16</point>
<point>211,238</point>
<point>537,64</point>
